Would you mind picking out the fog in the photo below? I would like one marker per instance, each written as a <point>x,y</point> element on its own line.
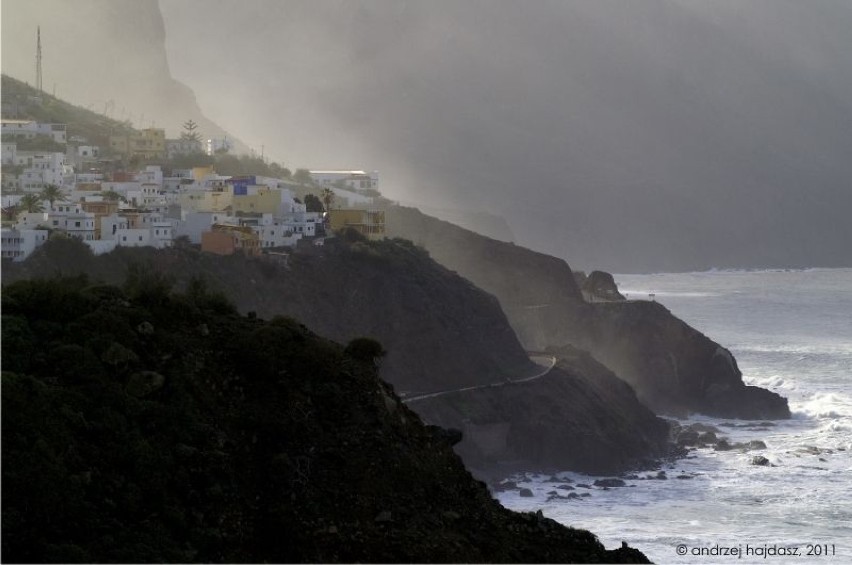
<point>630,136</point>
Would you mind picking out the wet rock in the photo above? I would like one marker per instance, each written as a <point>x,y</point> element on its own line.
<point>583,485</point>
<point>708,438</point>
<point>684,477</point>
<point>565,487</point>
<point>609,483</point>
<point>760,460</point>
<point>504,486</point>
<point>723,445</point>
<point>526,493</point>
<point>755,444</point>
<point>687,437</point>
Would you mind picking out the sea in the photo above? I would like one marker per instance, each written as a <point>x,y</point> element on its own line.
<point>790,332</point>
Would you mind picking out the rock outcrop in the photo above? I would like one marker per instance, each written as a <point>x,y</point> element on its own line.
<point>257,442</point>
<point>673,368</point>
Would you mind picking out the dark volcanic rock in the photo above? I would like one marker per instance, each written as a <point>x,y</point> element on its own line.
<point>600,286</point>
<point>760,460</point>
<point>238,455</point>
<point>610,483</point>
<point>510,422</point>
<point>673,368</point>
<point>525,492</point>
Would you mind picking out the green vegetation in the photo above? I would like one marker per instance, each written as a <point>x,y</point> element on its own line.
<point>95,128</point>
<point>144,425</point>
<point>31,203</point>
<point>234,165</point>
<point>189,131</point>
<point>313,203</point>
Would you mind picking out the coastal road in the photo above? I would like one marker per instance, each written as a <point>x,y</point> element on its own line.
<point>545,362</point>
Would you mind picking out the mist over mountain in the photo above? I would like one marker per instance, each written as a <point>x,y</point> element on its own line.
<point>631,136</point>
<point>628,136</point>
<point>107,55</point>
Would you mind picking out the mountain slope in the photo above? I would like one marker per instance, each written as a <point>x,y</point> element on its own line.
<point>144,426</point>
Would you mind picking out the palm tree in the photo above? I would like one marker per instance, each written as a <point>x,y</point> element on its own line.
<point>52,193</point>
<point>31,203</point>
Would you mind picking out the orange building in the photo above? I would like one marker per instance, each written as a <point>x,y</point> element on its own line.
<point>227,240</point>
<point>100,209</point>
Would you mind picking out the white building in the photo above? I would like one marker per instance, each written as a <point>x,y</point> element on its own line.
<point>301,223</point>
<point>133,237</point>
<point>17,245</point>
<point>10,151</point>
<point>152,174</point>
<point>31,128</point>
<point>175,147</point>
<point>271,232</point>
<point>111,224</point>
<point>214,145</point>
<point>41,169</point>
<point>70,218</point>
<point>195,223</point>
<point>354,180</point>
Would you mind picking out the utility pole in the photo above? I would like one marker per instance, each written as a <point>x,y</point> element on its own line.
<point>38,59</point>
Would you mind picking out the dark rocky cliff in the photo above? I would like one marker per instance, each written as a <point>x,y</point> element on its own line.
<point>439,330</point>
<point>673,368</point>
<point>144,426</point>
<point>583,416</point>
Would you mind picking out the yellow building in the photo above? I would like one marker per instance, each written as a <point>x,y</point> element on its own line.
<point>205,200</point>
<point>149,143</point>
<point>265,201</point>
<point>227,240</point>
<point>370,223</point>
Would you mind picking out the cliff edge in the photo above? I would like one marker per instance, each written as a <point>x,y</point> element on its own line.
<point>674,369</point>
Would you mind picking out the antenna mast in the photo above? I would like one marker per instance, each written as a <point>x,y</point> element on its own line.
<point>38,59</point>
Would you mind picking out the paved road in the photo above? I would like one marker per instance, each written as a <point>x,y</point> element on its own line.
<point>546,362</point>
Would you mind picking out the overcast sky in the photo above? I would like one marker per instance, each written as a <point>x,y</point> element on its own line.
<point>628,135</point>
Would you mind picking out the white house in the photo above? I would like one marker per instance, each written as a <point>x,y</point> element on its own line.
<point>133,237</point>
<point>301,223</point>
<point>271,232</point>
<point>162,234</point>
<point>152,174</point>
<point>17,245</point>
<point>40,169</point>
<point>195,223</point>
<point>10,150</point>
<point>354,180</point>
<point>111,224</point>
<point>31,128</point>
<point>32,220</point>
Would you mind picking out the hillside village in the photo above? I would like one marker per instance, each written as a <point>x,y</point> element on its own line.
<point>109,185</point>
